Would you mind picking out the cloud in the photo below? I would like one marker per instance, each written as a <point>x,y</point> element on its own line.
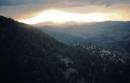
<point>24,2</point>
<point>27,8</point>
<point>12,2</point>
<point>21,2</point>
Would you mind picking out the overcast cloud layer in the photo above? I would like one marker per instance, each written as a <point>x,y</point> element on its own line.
<point>28,8</point>
<point>21,2</point>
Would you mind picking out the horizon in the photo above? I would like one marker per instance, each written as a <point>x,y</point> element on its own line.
<point>71,23</point>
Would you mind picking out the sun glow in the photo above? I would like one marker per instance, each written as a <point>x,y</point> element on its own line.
<point>57,16</point>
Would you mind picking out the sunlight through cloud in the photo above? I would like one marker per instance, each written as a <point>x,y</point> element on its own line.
<point>58,16</point>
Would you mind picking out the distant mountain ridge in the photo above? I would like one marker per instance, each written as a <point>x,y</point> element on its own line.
<point>114,35</point>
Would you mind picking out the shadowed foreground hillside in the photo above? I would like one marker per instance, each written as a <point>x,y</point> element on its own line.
<point>27,55</point>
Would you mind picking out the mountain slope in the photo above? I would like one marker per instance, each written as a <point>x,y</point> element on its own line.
<point>22,48</point>
<point>28,55</point>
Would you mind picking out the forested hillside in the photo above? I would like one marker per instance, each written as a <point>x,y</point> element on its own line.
<point>28,55</point>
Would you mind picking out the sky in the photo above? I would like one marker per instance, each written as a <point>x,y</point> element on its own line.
<point>24,9</point>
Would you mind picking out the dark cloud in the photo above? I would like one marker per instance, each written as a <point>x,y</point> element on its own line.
<point>104,2</point>
<point>24,2</point>
<point>21,2</point>
<point>111,2</point>
<point>12,2</point>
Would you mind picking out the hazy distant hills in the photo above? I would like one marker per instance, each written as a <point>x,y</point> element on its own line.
<point>28,55</point>
<point>114,35</point>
